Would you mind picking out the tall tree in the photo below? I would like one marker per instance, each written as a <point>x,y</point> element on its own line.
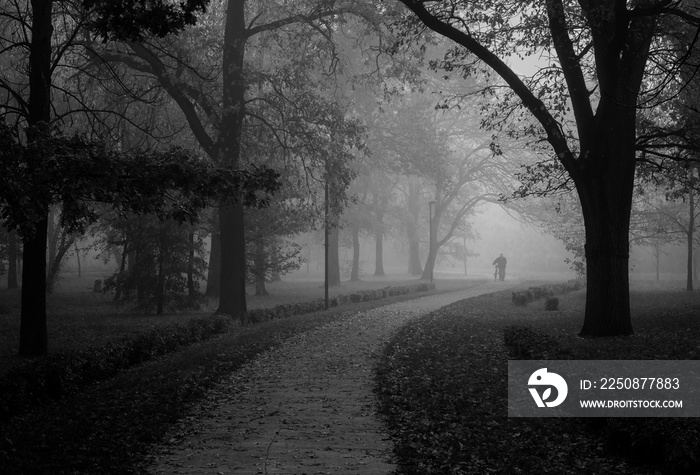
<point>598,53</point>
<point>210,74</point>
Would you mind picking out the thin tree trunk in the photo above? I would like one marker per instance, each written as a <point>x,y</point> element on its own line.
<point>122,269</point>
<point>52,232</point>
<point>77,258</point>
<point>379,239</point>
<point>190,267</point>
<point>414,264</point>
<point>333,257</point>
<point>657,254</point>
<point>161,269</point>
<point>691,228</point>
<point>12,260</point>
<point>464,239</point>
<point>260,267</point>
<point>379,253</point>
<point>355,273</point>
<point>60,253</point>
<point>433,225</point>
<point>214,270</point>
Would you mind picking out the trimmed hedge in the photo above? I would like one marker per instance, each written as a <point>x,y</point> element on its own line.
<point>56,375</point>
<point>290,309</point>
<point>524,297</point>
<point>60,374</point>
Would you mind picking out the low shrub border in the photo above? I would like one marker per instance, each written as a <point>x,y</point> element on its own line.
<point>60,374</point>
<point>287,310</point>
<point>524,297</point>
<point>108,427</point>
<point>57,375</point>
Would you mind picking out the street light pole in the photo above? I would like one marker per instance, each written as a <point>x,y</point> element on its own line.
<point>430,247</point>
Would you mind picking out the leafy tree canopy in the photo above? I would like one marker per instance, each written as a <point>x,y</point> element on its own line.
<point>78,173</point>
<point>130,20</point>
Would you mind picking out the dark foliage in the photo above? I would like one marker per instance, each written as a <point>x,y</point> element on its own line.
<point>58,375</point>
<point>108,427</point>
<point>76,173</point>
<point>131,20</point>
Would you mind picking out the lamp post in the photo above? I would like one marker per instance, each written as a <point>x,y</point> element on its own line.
<point>430,247</point>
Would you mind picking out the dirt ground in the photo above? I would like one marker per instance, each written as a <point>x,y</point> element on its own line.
<point>305,408</point>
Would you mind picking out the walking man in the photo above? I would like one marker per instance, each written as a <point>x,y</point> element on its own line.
<point>500,264</point>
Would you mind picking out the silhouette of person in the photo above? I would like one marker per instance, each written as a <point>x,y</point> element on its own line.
<point>500,264</point>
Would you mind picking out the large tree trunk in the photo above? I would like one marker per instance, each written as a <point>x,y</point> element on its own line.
<point>12,260</point>
<point>232,299</point>
<point>605,189</point>
<point>33,340</point>
<point>33,335</point>
<point>355,273</point>
<point>233,259</point>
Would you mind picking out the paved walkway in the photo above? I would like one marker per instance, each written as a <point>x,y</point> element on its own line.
<point>304,408</point>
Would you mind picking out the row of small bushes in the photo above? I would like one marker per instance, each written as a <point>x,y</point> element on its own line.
<point>60,374</point>
<point>524,297</point>
<point>290,309</point>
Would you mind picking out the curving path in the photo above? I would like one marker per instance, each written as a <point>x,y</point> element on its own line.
<point>304,408</point>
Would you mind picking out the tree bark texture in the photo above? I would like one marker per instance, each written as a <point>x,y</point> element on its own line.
<point>232,300</point>
<point>33,334</point>
<point>605,187</point>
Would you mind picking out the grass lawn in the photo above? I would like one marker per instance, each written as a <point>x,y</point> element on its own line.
<point>107,427</point>
<point>78,318</point>
<point>442,383</point>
